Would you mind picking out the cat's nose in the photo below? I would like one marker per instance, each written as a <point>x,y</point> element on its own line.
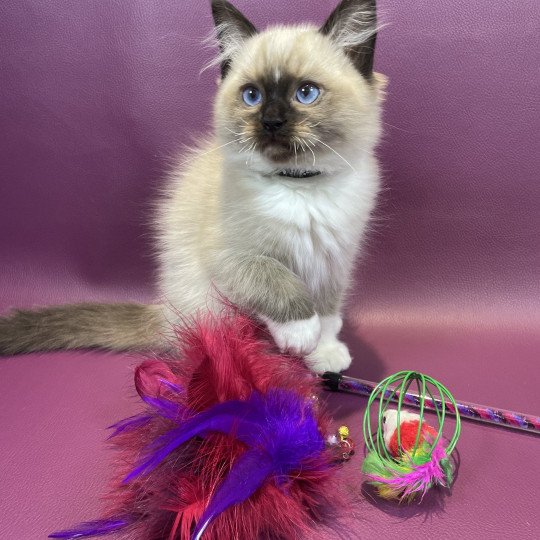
<point>273,125</point>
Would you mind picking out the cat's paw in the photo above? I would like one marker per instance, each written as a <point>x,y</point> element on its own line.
<point>331,355</point>
<point>296,337</point>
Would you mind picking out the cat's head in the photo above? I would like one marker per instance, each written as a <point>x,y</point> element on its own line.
<point>298,98</point>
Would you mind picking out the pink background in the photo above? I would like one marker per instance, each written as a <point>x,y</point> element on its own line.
<point>96,96</point>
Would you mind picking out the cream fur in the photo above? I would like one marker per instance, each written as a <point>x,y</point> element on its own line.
<point>225,201</point>
<point>231,225</point>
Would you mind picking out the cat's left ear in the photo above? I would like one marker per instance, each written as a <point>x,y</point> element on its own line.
<point>353,26</point>
<point>232,29</point>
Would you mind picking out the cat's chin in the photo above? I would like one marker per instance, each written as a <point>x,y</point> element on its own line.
<point>278,154</point>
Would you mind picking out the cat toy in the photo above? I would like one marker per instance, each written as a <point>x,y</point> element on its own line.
<point>233,443</point>
<point>342,444</point>
<point>469,411</point>
<point>407,456</point>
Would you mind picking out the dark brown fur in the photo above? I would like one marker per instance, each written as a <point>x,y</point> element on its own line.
<point>363,54</point>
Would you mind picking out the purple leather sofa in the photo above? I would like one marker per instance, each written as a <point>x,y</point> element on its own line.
<point>96,96</point>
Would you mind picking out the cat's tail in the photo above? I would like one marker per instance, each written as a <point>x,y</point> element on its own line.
<point>116,327</point>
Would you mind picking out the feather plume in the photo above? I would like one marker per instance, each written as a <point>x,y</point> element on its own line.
<point>408,476</point>
<point>93,528</point>
<point>232,436</point>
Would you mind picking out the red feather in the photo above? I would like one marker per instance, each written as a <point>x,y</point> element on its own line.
<point>219,360</point>
<point>408,432</point>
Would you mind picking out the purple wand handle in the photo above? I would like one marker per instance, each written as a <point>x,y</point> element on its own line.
<point>480,413</point>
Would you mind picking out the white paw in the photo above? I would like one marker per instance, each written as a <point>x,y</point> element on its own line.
<point>296,337</point>
<point>331,355</point>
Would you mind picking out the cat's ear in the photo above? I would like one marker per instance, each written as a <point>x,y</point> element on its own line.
<point>232,30</point>
<point>353,26</point>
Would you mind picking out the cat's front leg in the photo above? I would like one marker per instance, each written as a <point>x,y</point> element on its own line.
<point>264,286</point>
<point>296,337</point>
<point>331,354</point>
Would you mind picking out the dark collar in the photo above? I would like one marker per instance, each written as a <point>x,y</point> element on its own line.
<point>297,173</point>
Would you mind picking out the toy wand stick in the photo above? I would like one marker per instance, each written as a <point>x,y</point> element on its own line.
<point>472,411</point>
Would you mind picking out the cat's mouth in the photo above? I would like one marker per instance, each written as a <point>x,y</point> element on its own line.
<point>278,150</point>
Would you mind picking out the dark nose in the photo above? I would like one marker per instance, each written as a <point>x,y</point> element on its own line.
<point>273,125</point>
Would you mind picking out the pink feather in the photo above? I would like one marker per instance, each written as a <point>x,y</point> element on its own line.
<point>219,360</point>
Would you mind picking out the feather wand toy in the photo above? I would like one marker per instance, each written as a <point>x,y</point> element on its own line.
<point>480,413</point>
<point>231,442</point>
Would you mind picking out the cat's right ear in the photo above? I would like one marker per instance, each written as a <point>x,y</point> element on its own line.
<point>232,30</point>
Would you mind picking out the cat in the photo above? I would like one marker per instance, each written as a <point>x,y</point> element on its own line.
<point>271,210</point>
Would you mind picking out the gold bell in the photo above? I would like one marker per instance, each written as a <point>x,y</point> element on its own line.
<point>343,432</point>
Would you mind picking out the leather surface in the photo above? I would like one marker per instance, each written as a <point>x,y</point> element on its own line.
<point>96,96</point>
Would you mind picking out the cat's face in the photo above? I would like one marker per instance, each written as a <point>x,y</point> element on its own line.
<point>292,98</point>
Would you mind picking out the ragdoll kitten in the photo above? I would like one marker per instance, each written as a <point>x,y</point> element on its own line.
<point>270,212</point>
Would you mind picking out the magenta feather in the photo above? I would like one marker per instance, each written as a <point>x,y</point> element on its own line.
<point>420,478</point>
<point>231,444</point>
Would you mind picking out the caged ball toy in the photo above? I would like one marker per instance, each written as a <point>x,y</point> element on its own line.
<point>407,456</point>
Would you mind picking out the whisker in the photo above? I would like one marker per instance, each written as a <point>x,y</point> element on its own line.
<point>253,149</point>
<point>248,148</point>
<point>310,135</point>
<point>301,144</point>
<point>311,150</point>
<point>396,127</point>
<point>209,152</point>
<point>234,132</point>
<point>244,148</point>
<point>304,145</point>
<point>337,154</point>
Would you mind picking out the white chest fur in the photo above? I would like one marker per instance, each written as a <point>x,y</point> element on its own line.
<point>317,221</point>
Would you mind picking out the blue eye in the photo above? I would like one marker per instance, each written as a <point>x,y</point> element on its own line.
<point>252,96</point>
<point>307,93</point>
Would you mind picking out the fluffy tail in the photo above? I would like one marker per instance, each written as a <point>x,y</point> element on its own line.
<point>116,327</point>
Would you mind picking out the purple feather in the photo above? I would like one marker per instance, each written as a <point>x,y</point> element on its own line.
<point>166,408</point>
<point>100,527</point>
<point>171,386</point>
<point>278,427</point>
<point>221,418</point>
<point>247,475</point>
<point>254,422</point>
<point>286,436</point>
<point>163,407</point>
<point>133,422</point>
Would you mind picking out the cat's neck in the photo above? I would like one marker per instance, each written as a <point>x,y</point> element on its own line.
<point>334,164</point>
<point>344,195</point>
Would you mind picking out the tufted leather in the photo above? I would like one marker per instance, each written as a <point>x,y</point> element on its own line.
<point>96,96</point>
